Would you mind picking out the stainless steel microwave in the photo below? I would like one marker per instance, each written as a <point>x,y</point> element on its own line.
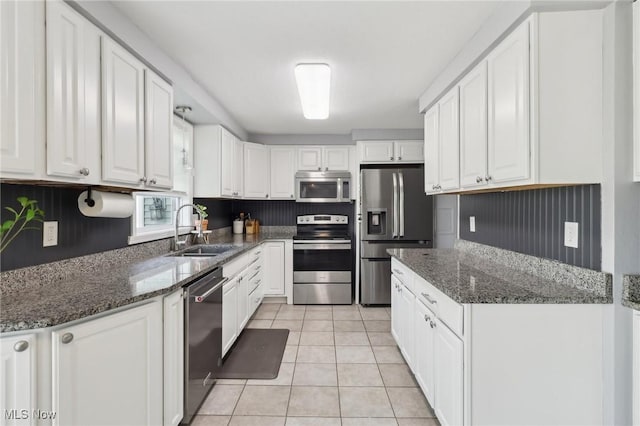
<point>323,187</point>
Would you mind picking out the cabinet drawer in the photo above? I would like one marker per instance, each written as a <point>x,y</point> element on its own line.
<point>447,310</point>
<point>402,274</point>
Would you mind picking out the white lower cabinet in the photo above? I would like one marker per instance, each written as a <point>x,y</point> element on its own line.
<point>274,268</point>
<point>448,369</point>
<point>229,314</point>
<point>18,385</point>
<point>109,370</point>
<point>243,302</point>
<point>424,365</point>
<point>636,368</point>
<point>173,358</point>
<point>497,364</point>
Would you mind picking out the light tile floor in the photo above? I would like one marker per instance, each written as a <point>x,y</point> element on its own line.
<point>341,367</point>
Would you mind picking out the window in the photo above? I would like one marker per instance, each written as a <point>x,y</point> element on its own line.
<point>155,212</point>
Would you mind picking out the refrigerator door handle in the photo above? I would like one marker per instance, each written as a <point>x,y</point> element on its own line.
<point>401,204</point>
<point>395,205</point>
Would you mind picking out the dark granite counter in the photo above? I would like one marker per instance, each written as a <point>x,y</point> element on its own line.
<point>44,303</point>
<point>631,291</point>
<point>470,278</point>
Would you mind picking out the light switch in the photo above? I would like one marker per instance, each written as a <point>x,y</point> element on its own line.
<point>49,234</point>
<point>571,234</point>
<point>472,223</point>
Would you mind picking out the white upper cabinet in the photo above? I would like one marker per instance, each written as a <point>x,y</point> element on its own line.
<point>449,141</point>
<point>218,159</point>
<point>73,95</point>
<point>122,115</point>
<point>310,158</point>
<point>158,131</point>
<point>22,85</point>
<point>431,149</point>
<point>409,151</point>
<point>256,171</point>
<point>636,91</point>
<point>508,105</point>
<point>473,128</point>
<point>182,156</point>
<point>405,151</point>
<point>323,158</point>
<point>335,158</point>
<point>110,368</point>
<point>542,104</point>
<point>282,172</point>
<point>376,151</point>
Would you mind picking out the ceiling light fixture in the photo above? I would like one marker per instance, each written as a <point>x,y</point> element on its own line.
<point>314,85</point>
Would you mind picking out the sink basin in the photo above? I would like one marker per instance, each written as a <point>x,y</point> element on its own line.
<point>206,251</point>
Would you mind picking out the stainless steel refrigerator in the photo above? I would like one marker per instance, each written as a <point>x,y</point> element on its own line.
<point>395,213</point>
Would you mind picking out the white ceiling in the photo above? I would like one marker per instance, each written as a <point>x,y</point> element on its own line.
<point>383,55</point>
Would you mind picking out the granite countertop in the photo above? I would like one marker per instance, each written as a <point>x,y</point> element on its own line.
<point>631,291</point>
<point>469,278</point>
<point>37,304</point>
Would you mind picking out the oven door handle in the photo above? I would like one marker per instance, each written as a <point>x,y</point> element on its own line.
<point>202,297</point>
<point>322,242</point>
<point>323,246</point>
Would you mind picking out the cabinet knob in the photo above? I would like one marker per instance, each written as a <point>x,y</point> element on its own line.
<point>153,181</point>
<point>426,318</point>
<point>432,324</point>
<point>326,169</point>
<point>291,195</point>
<point>67,338</point>
<point>391,158</point>
<point>478,179</point>
<point>399,158</point>
<point>143,179</point>
<point>84,171</point>
<point>488,178</point>
<point>21,346</point>
<point>266,196</point>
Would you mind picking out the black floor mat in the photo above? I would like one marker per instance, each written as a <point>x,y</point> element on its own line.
<point>256,355</point>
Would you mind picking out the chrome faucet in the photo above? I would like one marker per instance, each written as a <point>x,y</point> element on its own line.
<point>176,238</point>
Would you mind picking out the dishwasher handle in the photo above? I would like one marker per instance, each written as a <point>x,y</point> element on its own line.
<point>202,297</point>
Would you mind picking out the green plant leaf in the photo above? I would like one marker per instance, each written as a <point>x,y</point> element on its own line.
<point>23,201</point>
<point>12,211</point>
<point>7,225</point>
<point>30,215</point>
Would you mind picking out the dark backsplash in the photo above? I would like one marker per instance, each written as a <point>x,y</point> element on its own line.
<point>532,222</point>
<point>269,212</point>
<point>78,235</point>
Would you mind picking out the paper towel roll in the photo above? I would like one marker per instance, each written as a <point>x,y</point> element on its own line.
<point>107,204</point>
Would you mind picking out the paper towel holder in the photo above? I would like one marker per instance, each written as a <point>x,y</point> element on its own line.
<point>90,201</point>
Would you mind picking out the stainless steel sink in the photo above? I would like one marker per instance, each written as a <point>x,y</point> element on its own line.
<point>206,251</point>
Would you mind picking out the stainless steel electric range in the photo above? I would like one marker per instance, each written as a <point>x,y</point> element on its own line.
<point>322,260</point>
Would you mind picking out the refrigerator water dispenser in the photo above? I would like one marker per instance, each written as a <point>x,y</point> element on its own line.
<point>376,221</point>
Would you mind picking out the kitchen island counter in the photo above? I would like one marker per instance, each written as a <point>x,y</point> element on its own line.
<point>473,273</point>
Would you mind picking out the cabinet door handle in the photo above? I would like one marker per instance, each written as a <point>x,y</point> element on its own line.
<point>266,196</point>
<point>67,338</point>
<point>432,324</point>
<point>478,179</point>
<point>291,195</point>
<point>153,181</point>
<point>391,158</point>
<point>399,158</point>
<point>84,171</point>
<point>319,168</point>
<point>429,299</point>
<point>21,346</point>
<point>488,178</point>
<point>143,179</point>
<point>426,318</point>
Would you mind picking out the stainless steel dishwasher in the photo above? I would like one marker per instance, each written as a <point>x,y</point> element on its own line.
<point>203,339</point>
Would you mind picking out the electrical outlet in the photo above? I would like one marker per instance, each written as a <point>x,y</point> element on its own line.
<point>49,234</point>
<point>472,224</point>
<point>571,234</point>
